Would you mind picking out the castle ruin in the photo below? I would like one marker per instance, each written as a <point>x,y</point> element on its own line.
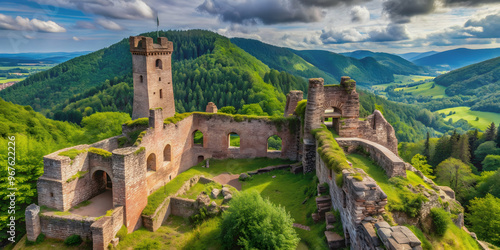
<point>127,172</point>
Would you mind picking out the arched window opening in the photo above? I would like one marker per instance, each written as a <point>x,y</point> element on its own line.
<point>234,140</point>
<point>159,64</point>
<point>274,143</point>
<point>197,138</point>
<point>151,162</point>
<point>167,152</point>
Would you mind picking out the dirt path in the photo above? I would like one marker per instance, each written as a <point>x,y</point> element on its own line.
<point>100,204</point>
<point>230,179</point>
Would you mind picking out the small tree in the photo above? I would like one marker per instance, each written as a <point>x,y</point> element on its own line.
<point>420,162</point>
<point>228,110</point>
<point>454,173</point>
<point>254,223</point>
<point>484,218</point>
<point>491,163</point>
<point>490,133</point>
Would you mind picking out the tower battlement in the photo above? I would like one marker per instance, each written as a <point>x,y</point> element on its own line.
<point>142,45</point>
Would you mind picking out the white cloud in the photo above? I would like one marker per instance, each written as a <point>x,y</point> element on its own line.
<point>76,38</point>
<point>120,9</point>
<point>21,23</point>
<point>108,24</point>
<point>360,14</point>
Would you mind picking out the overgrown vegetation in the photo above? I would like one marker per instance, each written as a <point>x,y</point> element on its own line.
<point>330,151</point>
<point>100,151</point>
<point>73,240</point>
<point>78,175</point>
<point>254,223</point>
<point>440,220</point>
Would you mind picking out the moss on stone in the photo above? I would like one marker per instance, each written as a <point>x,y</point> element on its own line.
<point>138,122</point>
<point>138,151</point>
<point>330,151</point>
<point>176,118</point>
<point>101,152</point>
<point>139,138</point>
<point>72,153</point>
<point>78,175</point>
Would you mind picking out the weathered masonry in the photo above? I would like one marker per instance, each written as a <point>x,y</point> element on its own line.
<point>158,145</point>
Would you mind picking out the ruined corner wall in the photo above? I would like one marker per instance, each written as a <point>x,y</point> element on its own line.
<point>390,162</point>
<point>60,187</point>
<point>355,200</point>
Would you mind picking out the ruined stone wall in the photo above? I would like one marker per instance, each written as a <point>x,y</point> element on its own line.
<point>183,207</point>
<point>105,229</point>
<point>391,163</point>
<point>356,200</point>
<point>129,184</point>
<point>292,98</point>
<point>61,227</point>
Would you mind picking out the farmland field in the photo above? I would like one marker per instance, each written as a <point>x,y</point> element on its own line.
<point>485,118</point>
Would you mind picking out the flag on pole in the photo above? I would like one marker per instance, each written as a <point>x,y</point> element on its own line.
<point>157,26</point>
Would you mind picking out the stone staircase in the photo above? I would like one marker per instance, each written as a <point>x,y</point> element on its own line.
<point>324,205</point>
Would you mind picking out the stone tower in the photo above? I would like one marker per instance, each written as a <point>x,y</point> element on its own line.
<point>152,73</point>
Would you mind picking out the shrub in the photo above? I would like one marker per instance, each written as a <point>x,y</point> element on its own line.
<point>254,223</point>
<point>39,239</point>
<point>148,244</point>
<point>138,122</point>
<point>440,220</point>
<point>122,233</point>
<point>73,240</point>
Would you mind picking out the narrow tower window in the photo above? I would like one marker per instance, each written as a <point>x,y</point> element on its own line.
<point>140,78</point>
<point>159,64</point>
<point>161,93</point>
<point>159,79</point>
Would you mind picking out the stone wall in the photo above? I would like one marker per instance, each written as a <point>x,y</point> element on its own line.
<point>63,226</point>
<point>391,163</point>
<point>183,207</point>
<point>105,229</point>
<point>356,200</point>
<point>292,98</point>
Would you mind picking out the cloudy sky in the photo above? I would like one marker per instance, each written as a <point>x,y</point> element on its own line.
<point>397,26</point>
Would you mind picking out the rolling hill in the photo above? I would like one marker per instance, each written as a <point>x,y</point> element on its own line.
<point>366,71</point>
<point>457,58</point>
<point>397,64</point>
<point>480,80</point>
<point>412,56</point>
<point>282,59</point>
<point>317,63</point>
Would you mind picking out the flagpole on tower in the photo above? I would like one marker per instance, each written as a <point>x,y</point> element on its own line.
<point>157,26</point>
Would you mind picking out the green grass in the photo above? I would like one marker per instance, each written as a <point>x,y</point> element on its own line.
<point>415,180</point>
<point>234,140</point>
<point>426,90</point>
<point>49,244</point>
<point>232,166</point>
<point>72,153</point>
<point>177,233</point>
<point>11,80</point>
<point>485,118</point>
<point>290,190</point>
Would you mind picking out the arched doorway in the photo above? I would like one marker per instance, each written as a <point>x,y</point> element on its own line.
<point>102,180</point>
<point>151,162</point>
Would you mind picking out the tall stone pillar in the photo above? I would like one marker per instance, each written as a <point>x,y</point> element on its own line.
<point>32,216</point>
<point>312,121</point>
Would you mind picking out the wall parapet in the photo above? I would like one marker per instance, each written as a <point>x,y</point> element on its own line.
<point>390,162</point>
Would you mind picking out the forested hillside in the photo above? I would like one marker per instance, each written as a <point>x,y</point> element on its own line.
<point>480,81</point>
<point>317,63</point>
<point>366,71</point>
<point>206,67</point>
<point>397,64</point>
<point>283,59</point>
